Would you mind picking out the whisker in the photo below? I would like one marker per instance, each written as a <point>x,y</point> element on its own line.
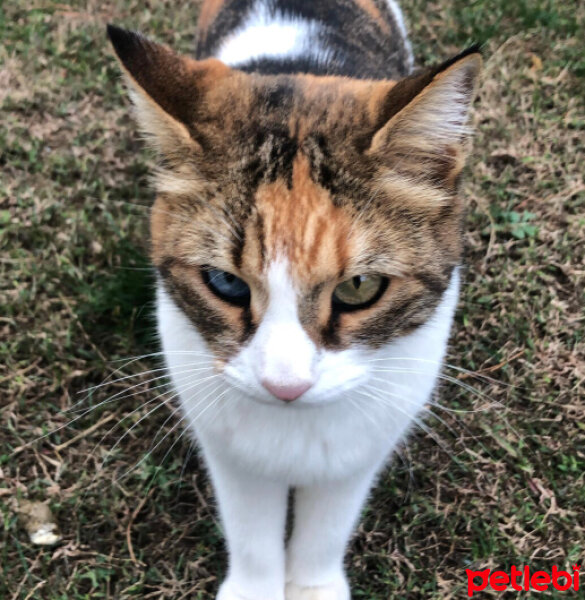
<point>416,420</point>
<point>386,381</point>
<point>434,403</point>
<point>189,378</point>
<point>173,428</point>
<point>159,405</point>
<point>427,410</point>
<point>357,406</point>
<point>178,408</point>
<point>133,360</point>
<point>473,374</point>
<point>139,384</point>
<point>213,403</point>
<point>444,377</point>
<point>167,373</point>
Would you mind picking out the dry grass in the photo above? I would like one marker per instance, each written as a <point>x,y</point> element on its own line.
<point>501,484</point>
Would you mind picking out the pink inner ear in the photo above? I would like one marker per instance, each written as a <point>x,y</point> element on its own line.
<point>407,89</point>
<point>433,111</point>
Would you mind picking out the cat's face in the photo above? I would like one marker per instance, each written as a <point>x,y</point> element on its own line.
<point>301,222</point>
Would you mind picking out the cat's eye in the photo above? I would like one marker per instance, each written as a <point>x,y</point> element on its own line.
<point>359,292</point>
<point>227,286</point>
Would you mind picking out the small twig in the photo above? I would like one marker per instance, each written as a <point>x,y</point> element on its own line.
<point>26,576</point>
<point>39,585</point>
<point>492,368</point>
<point>84,433</point>
<point>129,528</point>
<point>26,369</point>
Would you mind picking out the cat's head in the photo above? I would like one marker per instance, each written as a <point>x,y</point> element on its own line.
<point>301,220</point>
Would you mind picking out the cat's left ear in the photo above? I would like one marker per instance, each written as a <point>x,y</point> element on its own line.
<point>425,121</point>
<point>167,89</point>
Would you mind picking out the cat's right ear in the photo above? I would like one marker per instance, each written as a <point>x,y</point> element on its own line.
<point>425,121</point>
<point>166,88</point>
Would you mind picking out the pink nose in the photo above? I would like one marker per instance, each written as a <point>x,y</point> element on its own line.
<point>289,391</point>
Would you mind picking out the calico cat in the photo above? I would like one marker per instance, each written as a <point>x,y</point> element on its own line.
<point>306,235</point>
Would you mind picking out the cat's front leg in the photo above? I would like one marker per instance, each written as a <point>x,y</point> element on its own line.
<point>324,518</point>
<point>253,514</point>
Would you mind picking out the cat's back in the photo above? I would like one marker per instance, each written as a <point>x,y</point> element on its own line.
<point>364,39</point>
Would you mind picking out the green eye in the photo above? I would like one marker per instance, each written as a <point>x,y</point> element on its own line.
<point>227,286</point>
<point>359,292</point>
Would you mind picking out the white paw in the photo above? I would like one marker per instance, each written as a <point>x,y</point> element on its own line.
<point>229,591</point>
<point>337,590</point>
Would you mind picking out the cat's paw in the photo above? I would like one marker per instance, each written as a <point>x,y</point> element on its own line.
<point>226,592</point>
<point>230,591</point>
<point>336,590</point>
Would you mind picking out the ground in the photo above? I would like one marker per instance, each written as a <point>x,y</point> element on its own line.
<point>494,476</point>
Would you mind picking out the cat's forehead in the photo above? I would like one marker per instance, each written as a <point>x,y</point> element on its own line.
<point>297,220</point>
<point>257,124</point>
<point>321,101</point>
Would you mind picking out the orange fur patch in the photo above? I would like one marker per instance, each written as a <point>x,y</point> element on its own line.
<point>303,225</point>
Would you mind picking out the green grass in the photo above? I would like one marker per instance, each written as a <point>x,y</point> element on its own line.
<point>500,485</point>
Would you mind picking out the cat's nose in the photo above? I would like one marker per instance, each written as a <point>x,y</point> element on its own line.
<point>287,391</point>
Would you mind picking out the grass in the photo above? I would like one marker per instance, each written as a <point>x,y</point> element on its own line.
<point>498,479</point>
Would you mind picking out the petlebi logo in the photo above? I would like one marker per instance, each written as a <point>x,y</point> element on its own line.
<point>522,579</point>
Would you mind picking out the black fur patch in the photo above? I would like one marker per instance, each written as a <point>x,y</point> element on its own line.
<point>271,157</point>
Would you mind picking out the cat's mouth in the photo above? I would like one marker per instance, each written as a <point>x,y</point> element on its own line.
<point>258,393</point>
<point>320,393</point>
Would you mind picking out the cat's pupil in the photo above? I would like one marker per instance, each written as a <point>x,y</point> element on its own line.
<point>229,277</point>
<point>357,281</point>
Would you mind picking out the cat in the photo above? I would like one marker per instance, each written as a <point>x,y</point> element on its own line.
<point>307,239</point>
